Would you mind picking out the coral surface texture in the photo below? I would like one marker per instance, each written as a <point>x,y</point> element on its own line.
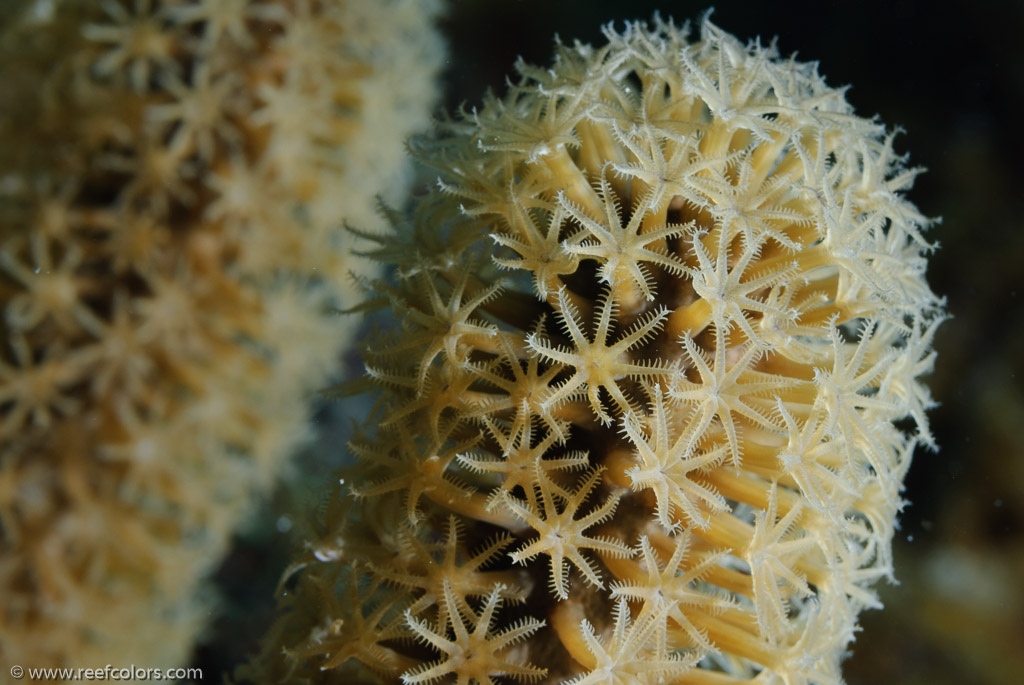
<point>652,392</point>
<point>174,177</point>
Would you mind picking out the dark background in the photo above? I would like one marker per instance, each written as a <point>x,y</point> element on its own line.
<point>953,78</point>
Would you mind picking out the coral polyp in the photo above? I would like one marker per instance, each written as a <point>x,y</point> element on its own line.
<point>661,327</point>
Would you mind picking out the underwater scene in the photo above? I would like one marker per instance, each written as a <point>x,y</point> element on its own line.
<point>424,341</point>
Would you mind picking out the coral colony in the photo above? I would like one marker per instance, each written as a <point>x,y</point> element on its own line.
<point>174,177</point>
<point>652,394</point>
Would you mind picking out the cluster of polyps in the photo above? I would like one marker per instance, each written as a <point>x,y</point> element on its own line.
<point>655,387</point>
<point>174,176</point>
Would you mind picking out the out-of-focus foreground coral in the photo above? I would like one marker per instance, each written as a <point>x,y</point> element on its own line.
<point>655,390</point>
<point>174,176</point>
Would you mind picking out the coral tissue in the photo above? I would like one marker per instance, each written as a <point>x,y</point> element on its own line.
<point>653,391</point>
<point>174,176</point>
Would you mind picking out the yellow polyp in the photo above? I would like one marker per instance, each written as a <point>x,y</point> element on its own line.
<point>597,150</point>
<point>617,462</point>
<point>716,142</point>
<point>690,319</point>
<point>475,507</point>
<point>730,638</point>
<point>761,457</point>
<point>731,580</point>
<point>738,486</point>
<point>623,569</point>
<point>764,158</point>
<point>725,531</point>
<point>576,412</point>
<point>627,294</point>
<point>655,218</point>
<point>566,619</point>
<point>702,677</point>
<point>488,344</point>
<point>571,180</point>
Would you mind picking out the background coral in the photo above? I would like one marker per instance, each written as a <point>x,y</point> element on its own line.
<point>173,181</point>
<point>722,318</point>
